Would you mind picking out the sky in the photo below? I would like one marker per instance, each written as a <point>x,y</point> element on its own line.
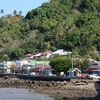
<point>19,5</point>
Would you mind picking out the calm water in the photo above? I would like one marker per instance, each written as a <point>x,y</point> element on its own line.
<point>21,94</point>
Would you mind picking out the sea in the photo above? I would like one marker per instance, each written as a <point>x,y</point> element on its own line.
<point>21,94</point>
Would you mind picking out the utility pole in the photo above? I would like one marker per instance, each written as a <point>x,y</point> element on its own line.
<point>35,63</point>
<point>44,62</point>
<point>72,61</point>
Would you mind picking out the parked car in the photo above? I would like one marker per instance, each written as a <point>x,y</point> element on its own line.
<point>94,73</point>
<point>33,73</point>
<point>94,76</point>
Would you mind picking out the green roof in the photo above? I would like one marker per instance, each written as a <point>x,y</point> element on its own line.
<point>33,62</point>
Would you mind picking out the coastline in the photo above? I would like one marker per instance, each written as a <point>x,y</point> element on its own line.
<point>58,90</point>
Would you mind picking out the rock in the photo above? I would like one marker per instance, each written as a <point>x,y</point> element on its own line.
<point>64,98</point>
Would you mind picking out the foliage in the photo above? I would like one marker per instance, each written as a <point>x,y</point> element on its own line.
<point>5,57</point>
<point>61,63</point>
<point>16,53</point>
<point>66,24</point>
<point>82,64</point>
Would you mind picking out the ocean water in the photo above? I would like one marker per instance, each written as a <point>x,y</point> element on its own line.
<point>21,94</point>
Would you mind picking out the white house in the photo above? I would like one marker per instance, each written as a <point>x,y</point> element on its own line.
<point>6,67</point>
<point>20,63</point>
<point>61,52</point>
<point>74,72</point>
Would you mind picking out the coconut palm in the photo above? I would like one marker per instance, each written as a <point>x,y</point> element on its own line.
<point>1,11</point>
<point>15,12</point>
<point>20,13</point>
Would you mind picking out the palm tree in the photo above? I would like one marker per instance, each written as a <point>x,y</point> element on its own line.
<point>15,12</point>
<point>1,11</point>
<point>20,13</point>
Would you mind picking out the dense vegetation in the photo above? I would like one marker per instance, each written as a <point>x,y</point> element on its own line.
<point>68,24</point>
<point>64,63</point>
<point>61,63</point>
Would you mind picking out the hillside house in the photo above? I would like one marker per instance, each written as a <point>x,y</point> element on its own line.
<point>7,67</point>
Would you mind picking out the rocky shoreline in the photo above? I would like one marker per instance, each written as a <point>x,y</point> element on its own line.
<point>58,90</point>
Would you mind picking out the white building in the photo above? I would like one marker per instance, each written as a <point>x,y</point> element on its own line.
<point>20,63</point>
<point>61,52</point>
<point>7,67</point>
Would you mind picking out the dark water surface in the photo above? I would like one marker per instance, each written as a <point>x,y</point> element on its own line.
<point>21,94</point>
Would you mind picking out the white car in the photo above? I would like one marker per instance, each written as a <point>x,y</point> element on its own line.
<point>94,76</point>
<point>33,73</point>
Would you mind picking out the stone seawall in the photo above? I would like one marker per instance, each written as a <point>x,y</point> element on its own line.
<point>59,90</point>
<point>18,83</point>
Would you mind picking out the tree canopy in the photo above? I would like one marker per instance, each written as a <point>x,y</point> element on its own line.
<point>66,24</point>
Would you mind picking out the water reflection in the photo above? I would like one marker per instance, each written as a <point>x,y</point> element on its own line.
<point>21,94</point>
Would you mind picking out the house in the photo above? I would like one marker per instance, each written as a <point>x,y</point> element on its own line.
<point>7,67</point>
<point>44,71</point>
<point>20,63</point>
<point>29,56</point>
<point>25,65</point>
<point>75,72</point>
<point>47,53</point>
<point>3,68</point>
<point>95,64</point>
<point>61,52</point>
<point>37,55</point>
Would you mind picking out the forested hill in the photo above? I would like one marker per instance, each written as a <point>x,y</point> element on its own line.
<point>67,24</point>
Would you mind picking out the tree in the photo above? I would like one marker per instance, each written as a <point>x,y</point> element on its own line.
<point>16,53</point>
<point>85,63</point>
<point>2,11</point>
<point>59,24</point>
<point>15,12</point>
<point>5,57</point>
<point>20,13</point>
<point>61,63</point>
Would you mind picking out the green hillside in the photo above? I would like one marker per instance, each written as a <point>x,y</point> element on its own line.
<point>68,24</point>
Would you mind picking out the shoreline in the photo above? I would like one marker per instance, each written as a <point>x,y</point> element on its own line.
<point>58,90</point>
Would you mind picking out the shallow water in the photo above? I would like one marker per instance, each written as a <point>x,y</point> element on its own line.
<point>21,94</point>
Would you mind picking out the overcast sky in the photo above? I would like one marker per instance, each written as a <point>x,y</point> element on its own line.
<point>19,5</point>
